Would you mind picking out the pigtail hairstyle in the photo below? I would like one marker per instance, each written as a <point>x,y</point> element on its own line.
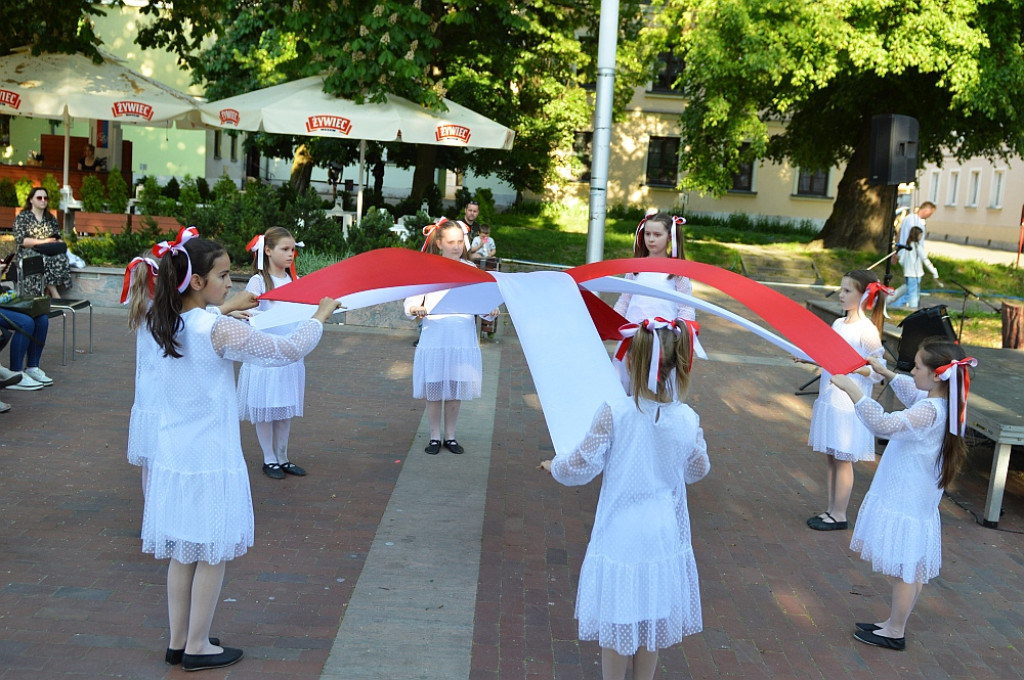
<point>271,238</point>
<point>676,355</point>
<point>935,352</point>
<point>876,300</point>
<point>138,288</point>
<point>164,316</point>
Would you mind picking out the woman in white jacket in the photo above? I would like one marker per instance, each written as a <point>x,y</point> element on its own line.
<point>914,260</point>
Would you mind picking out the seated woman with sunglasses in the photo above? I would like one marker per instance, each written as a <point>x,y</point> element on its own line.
<point>36,229</point>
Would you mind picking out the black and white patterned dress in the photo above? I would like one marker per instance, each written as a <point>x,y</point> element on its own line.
<point>56,271</point>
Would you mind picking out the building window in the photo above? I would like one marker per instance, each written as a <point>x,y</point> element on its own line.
<point>663,161</point>
<point>581,149</point>
<point>5,131</point>
<point>669,70</point>
<point>973,188</point>
<point>743,178</point>
<point>812,183</point>
<point>998,185</point>
<point>954,187</point>
<point>218,141</point>
<point>234,148</point>
<point>933,189</point>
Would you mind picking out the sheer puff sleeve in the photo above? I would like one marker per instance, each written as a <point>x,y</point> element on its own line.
<point>588,460</point>
<point>685,286</point>
<point>698,465</point>
<point>916,418</point>
<point>238,341</point>
<point>622,304</point>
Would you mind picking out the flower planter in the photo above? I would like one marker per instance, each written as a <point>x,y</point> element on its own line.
<point>163,223</point>
<point>99,223</point>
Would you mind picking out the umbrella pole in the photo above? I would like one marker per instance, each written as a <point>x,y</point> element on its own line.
<point>66,196</point>
<point>362,170</point>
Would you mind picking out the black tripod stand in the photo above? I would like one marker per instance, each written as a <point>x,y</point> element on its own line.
<point>963,308</point>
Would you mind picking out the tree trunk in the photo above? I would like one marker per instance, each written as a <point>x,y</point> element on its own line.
<point>861,216</point>
<point>1013,326</point>
<point>426,166</point>
<point>302,169</point>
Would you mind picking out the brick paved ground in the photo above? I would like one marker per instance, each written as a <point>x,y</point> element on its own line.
<point>78,599</point>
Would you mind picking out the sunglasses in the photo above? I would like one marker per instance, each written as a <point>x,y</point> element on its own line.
<point>42,198</point>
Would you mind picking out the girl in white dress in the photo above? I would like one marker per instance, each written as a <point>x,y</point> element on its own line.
<point>638,589</point>
<point>835,428</point>
<point>137,293</point>
<point>198,508</point>
<point>658,235</point>
<point>447,367</point>
<point>270,396</point>
<point>898,528</point>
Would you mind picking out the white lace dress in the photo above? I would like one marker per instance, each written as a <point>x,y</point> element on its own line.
<point>638,584</point>
<point>636,308</point>
<point>268,393</point>
<point>447,364</point>
<point>898,527</point>
<point>145,419</point>
<point>198,506</point>
<point>835,428</point>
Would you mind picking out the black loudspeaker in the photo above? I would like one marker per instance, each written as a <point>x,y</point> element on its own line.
<point>893,149</point>
<point>924,323</point>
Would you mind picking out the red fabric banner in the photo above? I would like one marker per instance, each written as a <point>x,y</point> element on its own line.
<point>792,320</point>
<point>382,268</point>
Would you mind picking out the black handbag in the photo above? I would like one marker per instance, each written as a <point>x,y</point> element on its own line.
<point>38,305</point>
<point>53,248</point>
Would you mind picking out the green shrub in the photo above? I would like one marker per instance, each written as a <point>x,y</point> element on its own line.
<point>204,189</point>
<point>117,191</point>
<point>485,197</point>
<point>225,188</point>
<point>94,198</point>
<point>306,219</point>
<point>374,231</point>
<point>311,260</point>
<point>188,200</point>
<point>172,189</point>
<point>8,194</point>
<point>23,186</point>
<point>52,187</point>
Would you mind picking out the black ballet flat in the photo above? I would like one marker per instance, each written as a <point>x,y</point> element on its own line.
<point>453,446</point>
<point>202,662</point>
<point>433,447</point>
<point>173,656</point>
<point>869,627</point>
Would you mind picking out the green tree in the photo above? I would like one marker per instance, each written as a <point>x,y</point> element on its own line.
<point>823,69</point>
<point>56,26</point>
<point>520,63</point>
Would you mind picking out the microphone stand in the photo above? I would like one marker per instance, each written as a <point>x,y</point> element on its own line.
<point>963,309</point>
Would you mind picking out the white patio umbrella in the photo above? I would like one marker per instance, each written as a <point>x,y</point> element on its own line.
<point>301,107</point>
<point>66,86</point>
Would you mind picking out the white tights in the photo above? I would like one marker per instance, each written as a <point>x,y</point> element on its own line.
<point>193,591</point>
<point>613,664</point>
<point>273,438</point>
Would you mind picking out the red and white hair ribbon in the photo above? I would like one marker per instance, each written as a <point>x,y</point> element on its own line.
<point>957,401</point>
<point>255,245</point>
<point>673,243</point>
<point>295,256</point>
<point>429,230</point>
<point>154,268</point>
<point>876,293</point>
<point>185,234</point>
<point>629,330</point>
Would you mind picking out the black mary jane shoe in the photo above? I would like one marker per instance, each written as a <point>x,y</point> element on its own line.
<point>869,627</point>
<point>433,447</point>
<point>453,446</point>
<point>869,638</point>
<point>818,524</point>
<point>173,656</point>
<point>293,469</point>
<point>273,470</point>
<point>201,662</point>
